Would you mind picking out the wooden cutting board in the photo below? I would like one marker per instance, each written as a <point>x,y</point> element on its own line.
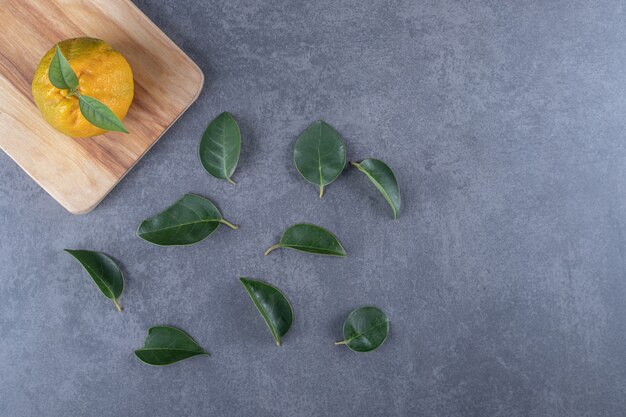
<point>79,173</point>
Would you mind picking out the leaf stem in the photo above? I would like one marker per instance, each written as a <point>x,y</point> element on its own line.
<point>321,191</point>
<point>231,181</point>
<point>227,223</point>
<point>271,248</point>
<point>278,343</point>
<point>117,305</point>
<point>343,342</point>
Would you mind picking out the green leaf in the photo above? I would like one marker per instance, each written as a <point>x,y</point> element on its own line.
<point>189,220</point>
<point>60,72</point>
<point>384,179</point>
<point>320,154</point>
<point>273,306</point>
<point>99,115</point>
<point>104,272</point>
<point>166,345</point>
<point>365,329</point>
<point>311,239</point>
<point>220,146</point>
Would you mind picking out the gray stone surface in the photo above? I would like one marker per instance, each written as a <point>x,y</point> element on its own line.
<point>503,277</point>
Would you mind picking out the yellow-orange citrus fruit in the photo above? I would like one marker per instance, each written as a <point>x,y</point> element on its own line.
<point>103,74</point>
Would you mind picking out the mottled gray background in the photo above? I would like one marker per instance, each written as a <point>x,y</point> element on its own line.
<point>503,277</point>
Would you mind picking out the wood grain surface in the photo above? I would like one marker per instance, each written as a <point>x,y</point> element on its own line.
<point>79,173</point>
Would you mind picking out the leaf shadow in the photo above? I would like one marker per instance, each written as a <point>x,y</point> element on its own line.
<point>253,328</point>
<point>336,324</point>
<point>336,328</point>
<point>289,165</point>
<point>362,189</point>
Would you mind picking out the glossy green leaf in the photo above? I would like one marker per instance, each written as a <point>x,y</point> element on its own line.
<point>166,345</point>
<point>320,154</point>
<point>220,146</point>
<point>104,272</point>
<point>384,179</point>
<point>99,115</point>
<point>311,239</point>
<point>273,306</point>
<point>189,220</point>
<point>60,73</point>
<point>365,329</point>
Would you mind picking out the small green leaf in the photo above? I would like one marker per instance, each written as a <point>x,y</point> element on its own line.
<point>104,272</point>
<point>60,73</point>
<point>384,179</point>
<point>311,239</point>
<point>365,329</point>
<point>320,154</point>
<point>273,306</point>
<point>99,115</point>
<point>220,146</point>
<point>189,220</point>
<point>166,345</point>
